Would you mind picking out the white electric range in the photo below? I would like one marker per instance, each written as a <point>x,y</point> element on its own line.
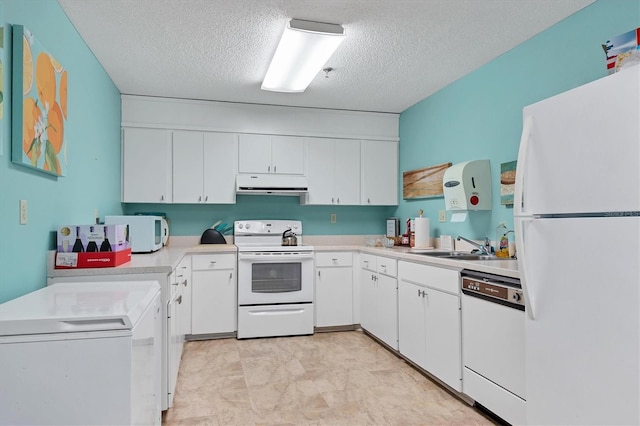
<point>275,282</point>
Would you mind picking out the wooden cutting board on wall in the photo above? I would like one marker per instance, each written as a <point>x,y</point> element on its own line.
<point>424,183</point>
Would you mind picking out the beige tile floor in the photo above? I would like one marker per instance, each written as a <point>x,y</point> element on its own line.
<point>341,378</point>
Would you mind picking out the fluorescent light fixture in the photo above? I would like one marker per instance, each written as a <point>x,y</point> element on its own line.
<point>303,50</point>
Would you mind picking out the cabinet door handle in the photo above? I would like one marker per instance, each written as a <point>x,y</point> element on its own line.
<point>176,283</point>
<point>274,169</point>
<point>200,198</point>
<point>332,200</point>
<point>184,283</point>
<point>230,275</point>
<point>338,200</point>
<point>162,198</point>
<point>180,300</point>
<point>206,198</point>
<point>269,169</point>
<point>318,274</point>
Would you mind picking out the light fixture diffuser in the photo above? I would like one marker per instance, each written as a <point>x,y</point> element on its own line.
<point>303,50</point>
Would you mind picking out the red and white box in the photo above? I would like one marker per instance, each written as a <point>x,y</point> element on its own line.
<point>92,246</point>
<point>92,238</point>
<point>92,259</point>
<point>622,51</point>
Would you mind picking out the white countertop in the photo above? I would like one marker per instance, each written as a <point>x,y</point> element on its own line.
<point>166,259</point>
<point>163,260</point>
<point>506,267</point>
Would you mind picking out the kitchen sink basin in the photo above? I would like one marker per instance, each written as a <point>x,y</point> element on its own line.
<point>460,255</point>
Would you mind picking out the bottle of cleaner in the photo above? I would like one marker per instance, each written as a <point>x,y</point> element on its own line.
<point>502,242</point>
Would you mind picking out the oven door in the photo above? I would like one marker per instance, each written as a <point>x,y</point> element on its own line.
<point>275,277</point>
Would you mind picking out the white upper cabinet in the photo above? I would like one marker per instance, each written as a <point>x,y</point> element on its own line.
<point>271,154</point>
<point>220,156</point>
<point>188,183</point>
<point>333,171</point>
<point>379,173</point>
<point>204,167</point>
<point>146,165</point>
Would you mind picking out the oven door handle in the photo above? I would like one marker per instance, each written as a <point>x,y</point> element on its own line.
<point>276,311</point>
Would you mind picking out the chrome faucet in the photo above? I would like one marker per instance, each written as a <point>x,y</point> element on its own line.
<point>484,248</point>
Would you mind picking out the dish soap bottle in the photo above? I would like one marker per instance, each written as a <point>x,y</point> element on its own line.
<point>502,242</point>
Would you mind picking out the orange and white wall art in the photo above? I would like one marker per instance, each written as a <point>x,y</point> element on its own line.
<point>39,106</point>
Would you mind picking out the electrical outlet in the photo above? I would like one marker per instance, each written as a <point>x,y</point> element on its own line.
<point>442,216</point>
<point>24,212</point>
<point>333,218</point>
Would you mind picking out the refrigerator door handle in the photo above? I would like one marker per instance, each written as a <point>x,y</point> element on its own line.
<point>527,290</point>
<point>527,125</point>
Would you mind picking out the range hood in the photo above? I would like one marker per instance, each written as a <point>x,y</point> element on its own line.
<point>271,184</point>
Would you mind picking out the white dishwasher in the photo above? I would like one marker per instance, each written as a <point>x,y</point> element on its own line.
<point>493,344</point>
<point>82,353</point>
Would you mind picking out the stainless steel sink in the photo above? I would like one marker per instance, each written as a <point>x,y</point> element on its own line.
<point>460,255</point>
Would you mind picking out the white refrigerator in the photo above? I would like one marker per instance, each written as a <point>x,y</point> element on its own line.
<point>577,220</point>
<point>82,354</point>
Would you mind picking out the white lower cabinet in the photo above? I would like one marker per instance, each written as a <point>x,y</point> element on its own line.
<point>429,330</point>
<point>183,280</point>
<point>379,297</point>
<point>214,304</point>
<point>334,289</point>
<point>175,338</point>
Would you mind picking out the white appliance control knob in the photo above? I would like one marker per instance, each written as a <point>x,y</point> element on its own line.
<point>248,225</point>
<point>240,226</point>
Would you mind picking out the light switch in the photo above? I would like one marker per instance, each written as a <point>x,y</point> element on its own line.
<point>24,214</point>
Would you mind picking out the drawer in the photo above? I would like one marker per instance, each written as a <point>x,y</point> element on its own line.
<point>213,261</point>
<point>387,266</point>
<point>338,258</point>
<point>432,276</point>
<point>368,261</point>
<point>183,270</point>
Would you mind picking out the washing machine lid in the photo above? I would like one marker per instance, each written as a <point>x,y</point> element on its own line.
<point>78,307</point>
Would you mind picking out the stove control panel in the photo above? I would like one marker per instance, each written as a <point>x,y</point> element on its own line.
<point>266,227</point>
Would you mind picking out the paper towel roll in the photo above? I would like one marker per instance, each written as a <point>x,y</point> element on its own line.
<point>423,238</point>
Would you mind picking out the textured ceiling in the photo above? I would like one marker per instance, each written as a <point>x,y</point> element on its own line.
<point>396,52</point>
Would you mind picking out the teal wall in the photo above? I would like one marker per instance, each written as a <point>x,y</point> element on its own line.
<point>92,133</point>
<point>480,115</point>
